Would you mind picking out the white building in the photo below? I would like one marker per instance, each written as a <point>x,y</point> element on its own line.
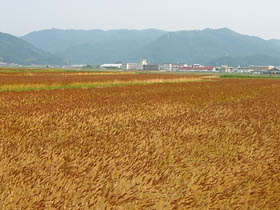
<point>2,64</point>
<point>130,66</point>
<point>166,67</point>
<point>143,62</point>
<point>135,66</point>
<point>261,68</point>
<point>225,69</point>
<point>111,66</point>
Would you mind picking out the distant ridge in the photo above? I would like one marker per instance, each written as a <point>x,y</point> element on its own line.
<point>16,50</point>
<point>211,46</point>
<point>208,46</point>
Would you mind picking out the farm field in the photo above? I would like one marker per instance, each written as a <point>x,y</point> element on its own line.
<point>169,144</point>
<point>29,80</point>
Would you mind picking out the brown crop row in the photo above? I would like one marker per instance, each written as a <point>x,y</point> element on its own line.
<point>70,77</point>
<point>210,145</point>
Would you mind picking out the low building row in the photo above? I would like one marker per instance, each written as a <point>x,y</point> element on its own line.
<point>144,66</point>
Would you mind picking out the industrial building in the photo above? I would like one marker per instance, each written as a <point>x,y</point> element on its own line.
<point>130,66</point>
<point>111,66</point>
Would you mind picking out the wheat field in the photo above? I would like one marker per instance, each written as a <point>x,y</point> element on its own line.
<point>185,145</point>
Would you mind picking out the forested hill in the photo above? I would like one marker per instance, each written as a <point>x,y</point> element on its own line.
<point>209,46</point>
<point>16,50</point>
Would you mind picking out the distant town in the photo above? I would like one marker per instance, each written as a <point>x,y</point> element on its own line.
<point>143,65</point>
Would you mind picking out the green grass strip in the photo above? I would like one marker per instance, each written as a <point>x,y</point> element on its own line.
<point>16,88</point>
<point>240,76</point>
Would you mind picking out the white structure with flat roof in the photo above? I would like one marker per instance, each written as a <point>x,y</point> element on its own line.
<point>111,66</point>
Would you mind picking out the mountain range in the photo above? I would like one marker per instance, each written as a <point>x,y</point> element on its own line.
<point>16,50</point>
<point>208,47</point>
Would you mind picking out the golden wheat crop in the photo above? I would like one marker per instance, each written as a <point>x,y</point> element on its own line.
<point>208,145</point>
<point>47,78</point>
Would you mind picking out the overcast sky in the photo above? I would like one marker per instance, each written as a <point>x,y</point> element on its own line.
<point>252,17</point>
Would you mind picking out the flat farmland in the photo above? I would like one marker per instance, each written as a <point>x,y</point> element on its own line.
<point>26,81</point>
<point>209,144</point>
<point>50,78</point>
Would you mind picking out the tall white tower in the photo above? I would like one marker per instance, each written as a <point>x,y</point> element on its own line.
<point>143,62</point>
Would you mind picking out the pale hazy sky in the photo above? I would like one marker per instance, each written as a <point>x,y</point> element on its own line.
<point>252,17</point>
